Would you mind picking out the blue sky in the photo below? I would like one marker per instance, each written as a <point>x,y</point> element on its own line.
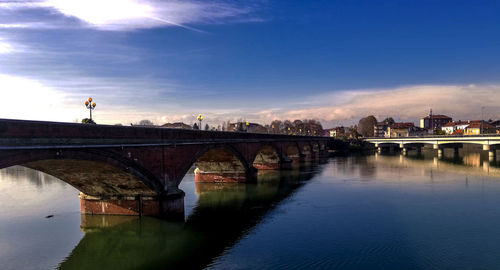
<point>335,61</point>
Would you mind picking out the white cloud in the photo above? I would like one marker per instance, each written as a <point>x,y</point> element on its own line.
<point>125,15</point>
<point>118,102</point>
<point>404,103</point>
<point>29,99</point>
<point>5,47</point>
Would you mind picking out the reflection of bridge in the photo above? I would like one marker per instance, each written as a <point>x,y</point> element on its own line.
<point>223,215</point>
<point>489,143</point>
<point>137,170</point>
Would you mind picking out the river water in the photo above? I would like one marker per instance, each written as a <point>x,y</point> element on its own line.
<point>357,212</point>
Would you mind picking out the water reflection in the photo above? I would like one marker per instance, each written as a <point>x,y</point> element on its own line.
<point>224,214</point>
<point>468,162</point>
<point>360,212</point>
<point>21,174</point>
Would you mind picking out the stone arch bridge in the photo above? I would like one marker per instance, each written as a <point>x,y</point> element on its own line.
<point>137,170</point>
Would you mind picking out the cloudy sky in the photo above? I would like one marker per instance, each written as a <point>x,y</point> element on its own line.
<point>258,60</point>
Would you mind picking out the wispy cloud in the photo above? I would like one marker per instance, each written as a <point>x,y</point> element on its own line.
<point>124,15</point>
<point>408,103</point>
<point>5,47</point>
<point>405,103</point>
<point>119,101</point>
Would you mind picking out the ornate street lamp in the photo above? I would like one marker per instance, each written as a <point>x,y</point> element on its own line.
<point>200,118</point>
<point>90,105</point>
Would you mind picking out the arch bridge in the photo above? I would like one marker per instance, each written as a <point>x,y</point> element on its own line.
<point>490,143</point>
<point>137,170</point>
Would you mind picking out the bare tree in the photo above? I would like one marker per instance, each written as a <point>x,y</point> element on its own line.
<point>366,126</point>
<point>145,122</point>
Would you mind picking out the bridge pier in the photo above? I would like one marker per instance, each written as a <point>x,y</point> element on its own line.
<point>492,155</point>
<point>492,152</point>
<point>169,206</point>
<point>226,176</point>
<point>404,150</point>
<point>286,164</point>
<point>305,157</point>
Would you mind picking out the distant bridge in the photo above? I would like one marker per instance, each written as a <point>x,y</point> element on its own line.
<point>490,143</point>
<point>137,170</point>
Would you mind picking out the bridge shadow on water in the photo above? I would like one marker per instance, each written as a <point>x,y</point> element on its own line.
<point>223,215</point>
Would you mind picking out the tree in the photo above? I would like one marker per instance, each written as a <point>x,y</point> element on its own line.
<point>289,127</point>
<point>240,127</point>
<point>88,121</point>
<point>439,132</point>
<point>145,122</point>
<point>276,126</point>
<point>366,126</point>
<point>389,121</point>
<point>195,126</point>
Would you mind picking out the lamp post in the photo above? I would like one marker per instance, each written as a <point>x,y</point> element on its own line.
<point>90,105</point>
<point>200,118</point>
<point>247,124</point>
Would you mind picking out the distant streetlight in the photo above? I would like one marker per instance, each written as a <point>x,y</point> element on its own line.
<point>200,118</point>
<point>247,124</point>
<point>90,105</point>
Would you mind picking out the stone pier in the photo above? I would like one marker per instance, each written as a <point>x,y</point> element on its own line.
<point>171,206</point>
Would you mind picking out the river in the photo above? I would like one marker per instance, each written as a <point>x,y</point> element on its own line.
<point>356,212</point>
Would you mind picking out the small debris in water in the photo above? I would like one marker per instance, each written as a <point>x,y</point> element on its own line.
<point>49,216</point>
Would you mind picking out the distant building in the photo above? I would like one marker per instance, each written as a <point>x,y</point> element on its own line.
<point>380,129</point>
<point>404,130</point>
<point>454,127</point>
<point>337,132</point>
<point>433,122</point>
<point>177,125</point>
<point>469,128</point>
<point>495,123</point>
<point>252,127</point>
<point>448,128</point>
<point>474,128</point>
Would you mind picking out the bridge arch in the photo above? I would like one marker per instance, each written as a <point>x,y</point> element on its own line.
<point>293,152</point>
<point>307,149</point>
<point>219,163</point>
<point>314,146</point>
<point>268,157</point>
<point>322,146</point>
<point>93,172</point>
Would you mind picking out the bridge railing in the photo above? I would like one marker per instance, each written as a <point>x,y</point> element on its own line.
<point>40,129</point>
<point>436,136</point>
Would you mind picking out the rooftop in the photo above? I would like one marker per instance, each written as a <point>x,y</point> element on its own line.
<point>402,125</point>
<point>437,116</point>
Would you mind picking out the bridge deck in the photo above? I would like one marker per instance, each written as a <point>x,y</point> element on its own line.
<point>20,134</point>
<point>473,139</point>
